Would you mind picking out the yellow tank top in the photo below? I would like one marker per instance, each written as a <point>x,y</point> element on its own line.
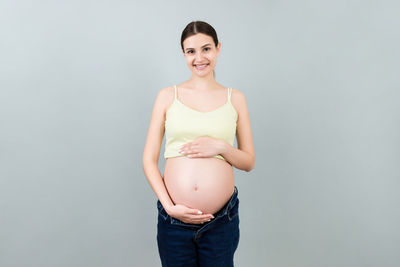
<point>184,124</point>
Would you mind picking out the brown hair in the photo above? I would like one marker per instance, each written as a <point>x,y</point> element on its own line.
<point>195,27</point>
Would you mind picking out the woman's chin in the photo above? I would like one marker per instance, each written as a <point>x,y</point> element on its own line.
<point>201,73</point>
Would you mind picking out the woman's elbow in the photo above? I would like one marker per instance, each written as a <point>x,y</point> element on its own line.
<point>251,165</point>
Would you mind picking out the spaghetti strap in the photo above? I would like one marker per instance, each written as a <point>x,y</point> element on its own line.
<point>229,94</point>
<point>175,91</point>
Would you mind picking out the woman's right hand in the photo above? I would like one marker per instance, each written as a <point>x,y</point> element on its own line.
<point>188,215</point>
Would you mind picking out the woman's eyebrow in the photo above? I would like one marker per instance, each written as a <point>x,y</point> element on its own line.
<point>202,46</point>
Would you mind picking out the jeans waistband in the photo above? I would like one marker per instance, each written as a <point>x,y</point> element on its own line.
<point>232,201</point>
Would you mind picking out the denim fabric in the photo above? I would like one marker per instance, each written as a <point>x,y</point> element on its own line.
<point>209,244</point>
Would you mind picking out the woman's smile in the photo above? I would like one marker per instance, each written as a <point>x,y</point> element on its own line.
<point>201,67</point>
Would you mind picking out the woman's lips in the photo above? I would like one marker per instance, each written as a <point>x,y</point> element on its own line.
<point>201,66</point>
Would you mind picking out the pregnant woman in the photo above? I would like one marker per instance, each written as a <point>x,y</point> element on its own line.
<point>198,204</point>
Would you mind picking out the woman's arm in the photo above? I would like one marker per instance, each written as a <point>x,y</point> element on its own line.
<point>152,148</point>
<point>239,159</point>
<point>243,157</point>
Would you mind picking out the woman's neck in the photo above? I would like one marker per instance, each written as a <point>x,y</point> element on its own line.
<point>203,82</point>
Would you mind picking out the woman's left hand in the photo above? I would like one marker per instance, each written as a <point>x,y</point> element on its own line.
<point>202,147</point>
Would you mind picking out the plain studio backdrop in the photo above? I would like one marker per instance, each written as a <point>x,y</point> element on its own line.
<point>78,81</point>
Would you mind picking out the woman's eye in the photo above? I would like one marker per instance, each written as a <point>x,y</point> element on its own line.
<point>191,51</point>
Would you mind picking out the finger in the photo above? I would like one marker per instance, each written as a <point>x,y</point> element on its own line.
<point>191,150</point>
<point>211,215</point>
<point>194,211</point>
<point>198,221</point>
<point>189,144</point>
<point>195,155</point>
<point>192,216</point>
<point>186,152</point>
<point>198,215</point>
<point>200,218</point>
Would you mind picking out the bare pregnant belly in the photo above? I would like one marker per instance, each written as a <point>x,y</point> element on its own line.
<point>202,183</point>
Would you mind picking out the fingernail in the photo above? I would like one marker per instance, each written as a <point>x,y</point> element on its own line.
<point>199,212</point>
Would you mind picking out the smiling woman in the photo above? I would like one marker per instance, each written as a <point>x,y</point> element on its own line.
<point>204,29</point>
<point>197,197</point>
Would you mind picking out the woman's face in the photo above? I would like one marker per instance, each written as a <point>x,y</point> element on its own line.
<point>201,54</point>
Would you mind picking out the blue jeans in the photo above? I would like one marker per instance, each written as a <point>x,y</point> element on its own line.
<point>209,244</point>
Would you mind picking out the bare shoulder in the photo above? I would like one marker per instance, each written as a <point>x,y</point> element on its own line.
<point>157,124</point>
<point>238,100</point>
<point>165,97</point>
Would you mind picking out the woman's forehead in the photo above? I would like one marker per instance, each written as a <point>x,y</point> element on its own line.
<point>197,40</point>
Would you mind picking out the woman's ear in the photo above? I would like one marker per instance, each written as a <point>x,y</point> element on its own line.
<point>218,48</point>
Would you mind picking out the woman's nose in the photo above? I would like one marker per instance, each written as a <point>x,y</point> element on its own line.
<point>199,56</point>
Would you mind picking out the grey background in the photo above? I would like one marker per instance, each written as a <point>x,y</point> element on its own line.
<point>78,81</point>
